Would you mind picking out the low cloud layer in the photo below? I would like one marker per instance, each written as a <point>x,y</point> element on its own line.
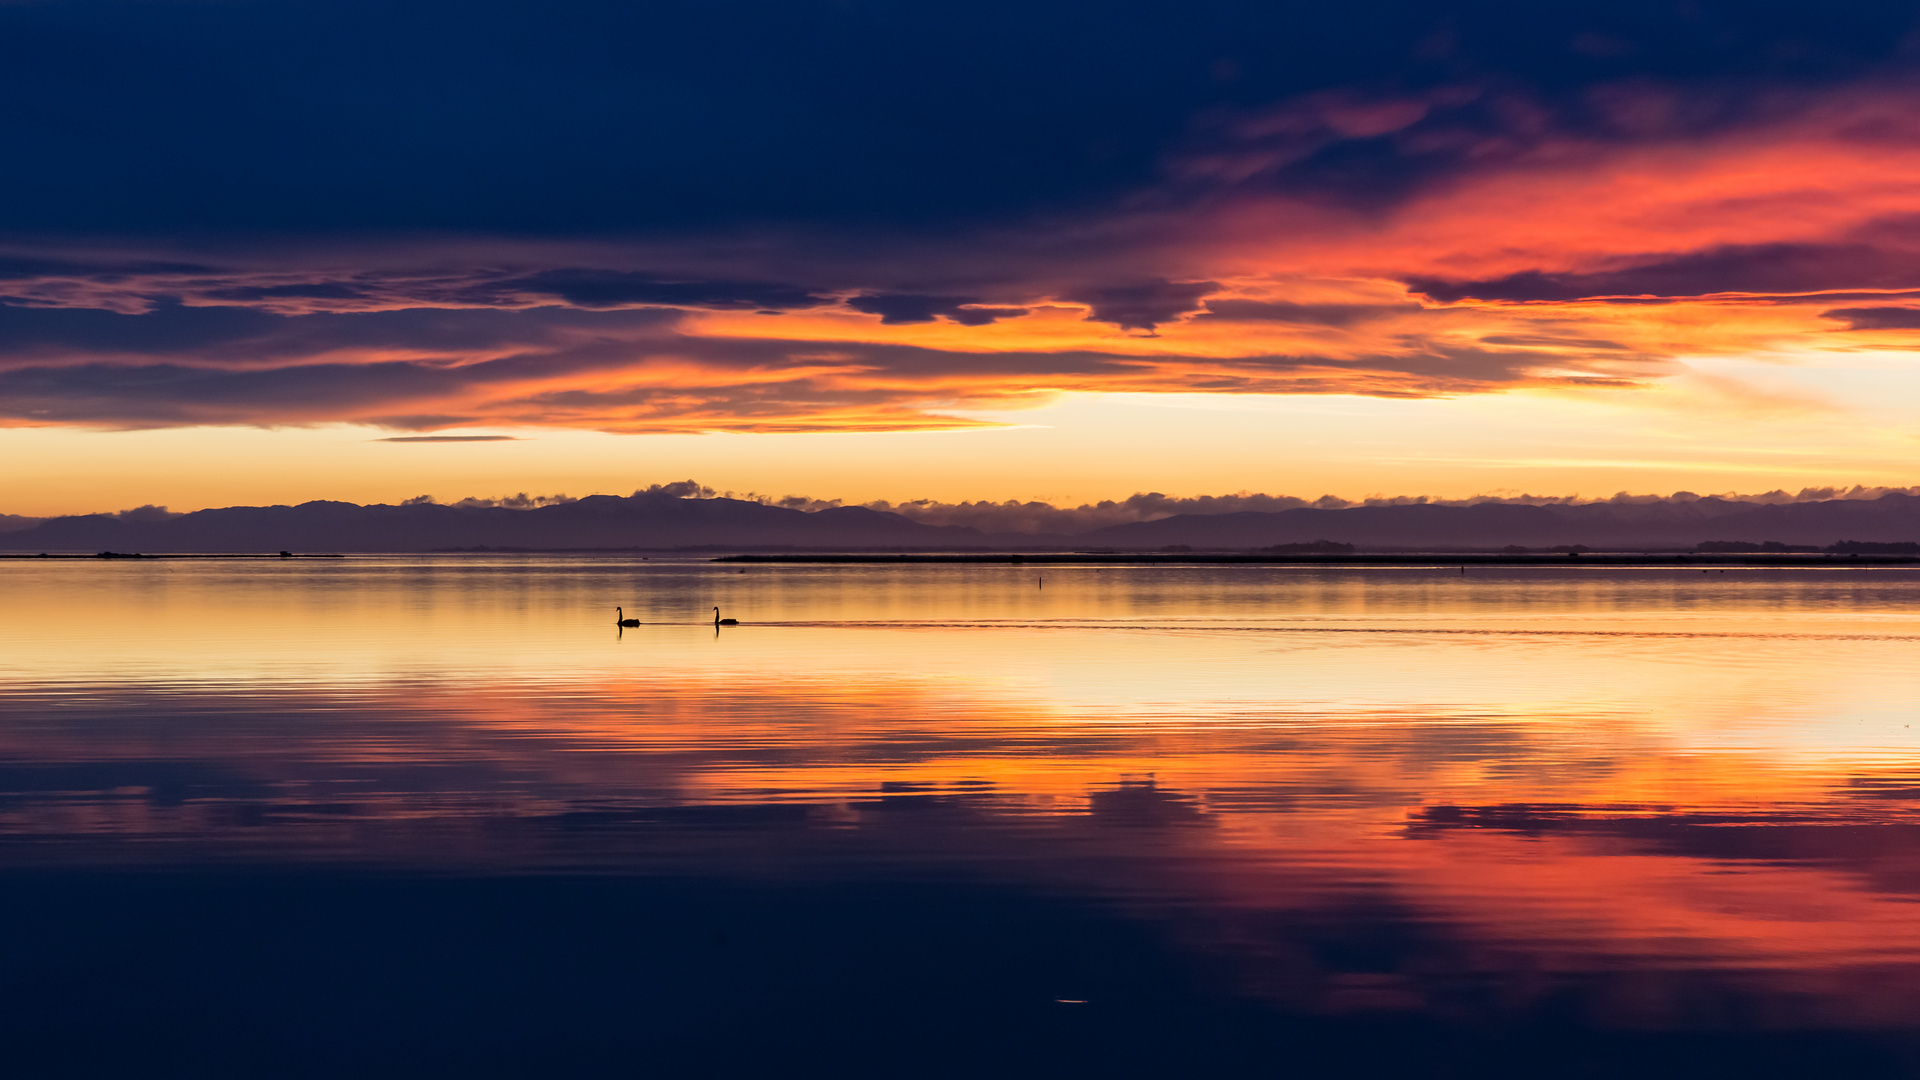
<point>1038,517</point>
<point>654,369</point>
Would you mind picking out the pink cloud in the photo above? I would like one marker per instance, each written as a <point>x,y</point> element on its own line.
<point>1532,251</point>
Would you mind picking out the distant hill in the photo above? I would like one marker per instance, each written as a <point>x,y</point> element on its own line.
<point>599,521</point>
<point>663,522</point>
<point>1487,526</point>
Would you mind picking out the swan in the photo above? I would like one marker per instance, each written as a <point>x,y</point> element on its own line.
<point>620,619</point>
<point>718,621</point>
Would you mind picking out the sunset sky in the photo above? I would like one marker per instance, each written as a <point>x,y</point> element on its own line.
<point>868,250</point>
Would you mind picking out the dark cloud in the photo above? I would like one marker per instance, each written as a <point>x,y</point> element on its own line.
<point>980,315</point>
<point>1014,516</point>
<point>602,118</point>
<point>242,334</point>
<point>1551,341</point>
<point>1766,269</point>
<point>139,288</point>
<point>1146,305</point>
<point>1335,315</point>
<point>169,328</point>
<point>406,421</point>
<point>136,286</point>
<point>1369,147</point>
<point>504,213</point>
<point>1876,318</point>
<point>450,438</point>
<point>898,308</point>
<point>613,370</point>
<point>319,290</point>
<point>150,395</point>
<point>14,267</point>
<point>613,288</point>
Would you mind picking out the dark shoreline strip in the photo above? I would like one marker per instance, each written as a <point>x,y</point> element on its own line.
<point>114,556</point>
<point>1394,559</point>
<point>1840,562</point>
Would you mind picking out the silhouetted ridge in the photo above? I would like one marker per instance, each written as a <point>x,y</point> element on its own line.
<point>662,521</point>
<point>601,521</point>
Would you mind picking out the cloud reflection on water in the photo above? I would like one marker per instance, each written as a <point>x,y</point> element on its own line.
<point>1683,803</point>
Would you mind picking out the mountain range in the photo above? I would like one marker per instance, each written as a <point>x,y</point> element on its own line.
<point>1485,526</point>
<point>643,521</point>
<point>654,521</point>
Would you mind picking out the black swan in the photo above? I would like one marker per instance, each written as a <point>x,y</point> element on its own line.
<point>718,621</point>
<point>620,619</point>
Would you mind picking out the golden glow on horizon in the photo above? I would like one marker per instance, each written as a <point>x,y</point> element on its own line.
<point>1723,427</point>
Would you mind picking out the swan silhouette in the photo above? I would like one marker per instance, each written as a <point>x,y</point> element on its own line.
<point>718,621</point>
<point>620,619</point>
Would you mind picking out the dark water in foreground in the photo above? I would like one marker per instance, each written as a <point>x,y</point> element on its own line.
<point>439,817</point>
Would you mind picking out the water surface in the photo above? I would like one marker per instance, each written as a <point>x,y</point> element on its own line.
<point>439,816</point>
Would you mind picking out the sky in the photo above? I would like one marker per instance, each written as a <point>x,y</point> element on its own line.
<point>258,251</point>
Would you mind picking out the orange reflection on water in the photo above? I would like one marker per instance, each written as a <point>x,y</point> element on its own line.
<point>1531,776</point>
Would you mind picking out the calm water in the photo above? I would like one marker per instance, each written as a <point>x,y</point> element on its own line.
<point>439,816</point>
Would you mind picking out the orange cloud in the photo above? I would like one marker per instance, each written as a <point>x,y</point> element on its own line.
<point>1532,257</point>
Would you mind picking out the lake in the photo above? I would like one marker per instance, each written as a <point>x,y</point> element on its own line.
<point>439,816</point>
